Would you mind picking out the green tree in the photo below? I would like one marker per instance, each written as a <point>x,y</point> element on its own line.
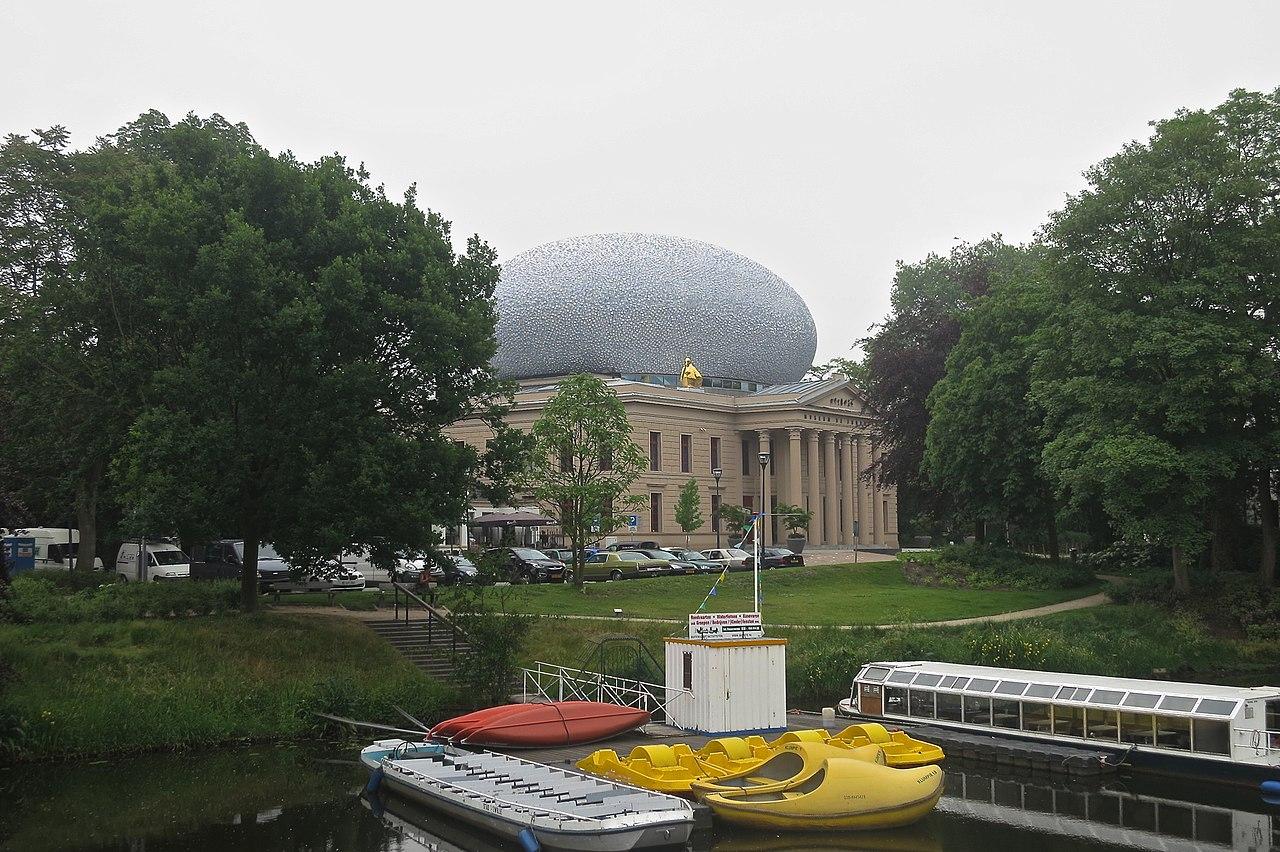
<point>312,337</point>
<point>855,371</point>
<point>795,518</point>
<point>1158,372</point>
<point>689,508</point>
<point>906,356</point>
<point>583,463</point>
<point>736,519</point>
<point>985,436</point>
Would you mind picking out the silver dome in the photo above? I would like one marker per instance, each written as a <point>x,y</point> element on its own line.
<point>642,303</point>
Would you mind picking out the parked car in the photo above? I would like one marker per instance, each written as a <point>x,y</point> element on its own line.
<point>775,557</point>
<point>678,565</point>
<point>730,557</point>
<point>649,566</point>
<point>561,554</point>
<point>526,565</point>
<point>163,562</point>
<point>454,570</point>
<point>697,558</point>
<point>632,545</point>
<point>627,564</point>
<point>221,560</point>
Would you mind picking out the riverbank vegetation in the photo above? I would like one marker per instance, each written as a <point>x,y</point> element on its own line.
<point>97,687</point>
<point>869,593</point>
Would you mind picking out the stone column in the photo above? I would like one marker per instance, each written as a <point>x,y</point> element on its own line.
<point>815,489</point>
<point>877,500</point>
<point>795,495</point>
<point>866,496</point>
<point>891,525</point>
<point>831,519</point>
<point>766,446</point>
<point>846,488</point>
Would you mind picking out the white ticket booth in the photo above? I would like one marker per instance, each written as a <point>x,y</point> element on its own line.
<point>726,678</point>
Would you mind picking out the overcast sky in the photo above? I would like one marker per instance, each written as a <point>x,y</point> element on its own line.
<point>824,140</point>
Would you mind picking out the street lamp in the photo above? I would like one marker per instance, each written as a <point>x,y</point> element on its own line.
<point>764,465</point>
<point>716,473</point>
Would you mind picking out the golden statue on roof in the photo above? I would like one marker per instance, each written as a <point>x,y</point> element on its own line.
<point>689,376</point>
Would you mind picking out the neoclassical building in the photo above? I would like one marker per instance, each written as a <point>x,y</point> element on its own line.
<point>630,308</point>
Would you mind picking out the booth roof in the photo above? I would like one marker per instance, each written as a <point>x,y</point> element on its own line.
<point>511,519</point>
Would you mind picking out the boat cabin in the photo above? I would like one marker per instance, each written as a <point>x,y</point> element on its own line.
<point>1236,724</point>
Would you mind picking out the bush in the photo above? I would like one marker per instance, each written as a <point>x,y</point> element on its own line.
<point>38,598</point>
<point>495,636</point>
<point>984,566</point>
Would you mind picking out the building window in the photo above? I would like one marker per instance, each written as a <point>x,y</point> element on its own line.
<point>686,453</point>
<point>655,451</point>
<point>715,453</point>
<point>885,524</point>
<point>655,512</point>
<point>748,500</point>
<point>746,457</point>
<point>715,513</point>
<point>688,670</point>
<point>606,458</point>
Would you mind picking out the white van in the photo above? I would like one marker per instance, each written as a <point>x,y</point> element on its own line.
<point>164,562</point>
<point>53,544</point>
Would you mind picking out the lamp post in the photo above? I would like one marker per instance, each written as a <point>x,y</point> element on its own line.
<point>716,473</point>
<point>764,465</point>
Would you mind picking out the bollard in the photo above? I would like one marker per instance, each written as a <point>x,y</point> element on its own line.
<point>528,842</point>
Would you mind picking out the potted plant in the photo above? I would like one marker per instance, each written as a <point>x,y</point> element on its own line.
<point>797,522</point>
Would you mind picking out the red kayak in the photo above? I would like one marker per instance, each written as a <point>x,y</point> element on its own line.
<point>540,725</point>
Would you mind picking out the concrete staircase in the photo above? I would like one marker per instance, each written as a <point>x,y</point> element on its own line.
<point>430,648</point>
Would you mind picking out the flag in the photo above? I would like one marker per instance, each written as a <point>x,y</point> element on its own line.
<point>713,591</point>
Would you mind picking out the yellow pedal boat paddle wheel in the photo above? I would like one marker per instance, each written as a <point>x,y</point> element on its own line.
<point>661,768</point>
<point>901,750</point>
<point>840,793</point>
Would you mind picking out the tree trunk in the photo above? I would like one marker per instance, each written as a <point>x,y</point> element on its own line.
<point>87,516</point>
<point>249,574</point>
<point>979,531</point>
<point>1267,507</point>
<point>1218,544</point>
<point>1051,530</point>
<point>1181,575</point>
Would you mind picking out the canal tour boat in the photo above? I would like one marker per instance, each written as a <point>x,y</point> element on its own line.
<point>1226,732</point>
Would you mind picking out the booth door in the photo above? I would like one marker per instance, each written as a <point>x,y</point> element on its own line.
<point>870,699</point>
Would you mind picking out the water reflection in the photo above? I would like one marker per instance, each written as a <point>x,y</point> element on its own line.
<point>307,800</point>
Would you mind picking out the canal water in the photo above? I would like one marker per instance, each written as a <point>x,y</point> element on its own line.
<point>308,799</point>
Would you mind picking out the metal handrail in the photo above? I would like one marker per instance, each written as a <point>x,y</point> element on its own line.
<point>433,614</point>
<point>580,685</point>
<point>1260,741</point>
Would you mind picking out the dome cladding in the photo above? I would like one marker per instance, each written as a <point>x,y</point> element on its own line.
<point>642,303</point>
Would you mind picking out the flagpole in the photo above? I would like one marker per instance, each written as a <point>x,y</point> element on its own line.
<point>755,568</point>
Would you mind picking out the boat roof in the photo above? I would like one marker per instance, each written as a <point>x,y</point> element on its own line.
<point>1123,684</point>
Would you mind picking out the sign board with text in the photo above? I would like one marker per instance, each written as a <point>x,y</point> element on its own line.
<point>725,625</point>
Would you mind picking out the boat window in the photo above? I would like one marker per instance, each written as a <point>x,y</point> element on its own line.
<point>1041,690</point>
<point>977,711</point>
<point>1177,703</point>
<point>1102,724</point>
<point>1216,707</point>
<point>1068,721</point>
<point>1011,687</point>
<point>1071,693</point>
<point>949,681</point>
<point>1141,699</point>
<point>1139,728</point>
<point>980,684</point>
<point>1273,715</point>
<point>949,706</point>
<point>1035,717</point>
<point>895,700</point>
<point>1106,696</point>
<point>1210,736</point>
<point>961,682</point>
<point>921,703</point>
<point>902,676</point>
<point>1004,713</point>
<point>928,680</point>
<point>875,673</point>
<point>1173,732</point>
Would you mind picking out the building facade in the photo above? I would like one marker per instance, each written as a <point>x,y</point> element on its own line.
<point>819,437</point>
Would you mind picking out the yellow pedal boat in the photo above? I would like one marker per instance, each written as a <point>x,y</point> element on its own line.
<point>784,765</point>
<point>661,768</point>
<point>840,794</point>
<point>901,751</point>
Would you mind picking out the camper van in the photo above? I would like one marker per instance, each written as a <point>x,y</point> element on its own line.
<point>52,546</point>
<point>164,562</point>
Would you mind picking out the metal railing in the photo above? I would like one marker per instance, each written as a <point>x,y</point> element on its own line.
<point>1262,743</point>
<point>405,599</point>
<point>550,682</point>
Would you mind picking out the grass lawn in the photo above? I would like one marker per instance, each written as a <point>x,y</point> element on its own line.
<point>102,687</point>
<point>877,593</point>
